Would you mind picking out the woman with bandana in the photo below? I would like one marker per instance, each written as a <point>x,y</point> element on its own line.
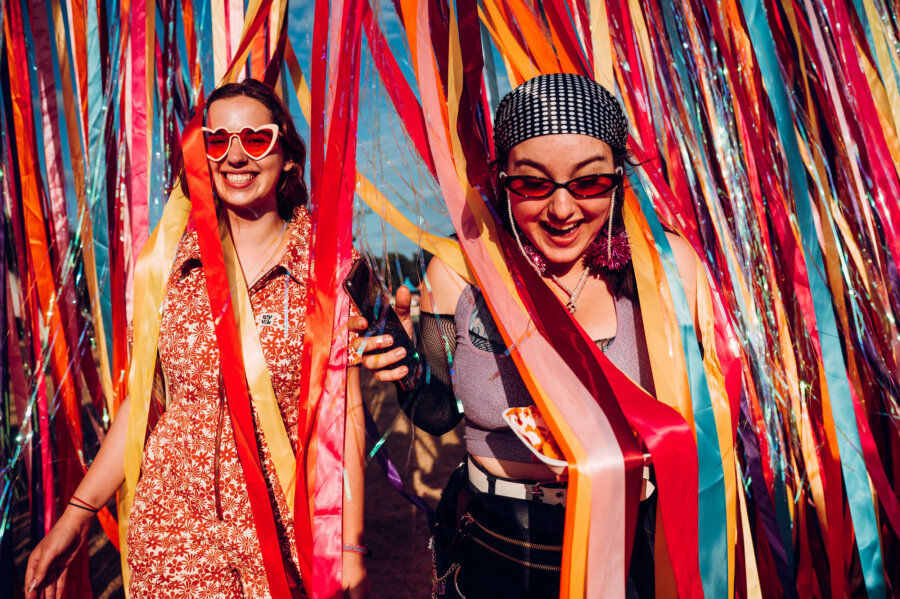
<point>560,148</point>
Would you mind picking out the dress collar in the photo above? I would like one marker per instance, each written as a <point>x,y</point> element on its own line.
<point>294,260</point>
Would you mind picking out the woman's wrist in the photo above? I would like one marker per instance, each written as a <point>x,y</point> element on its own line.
<point>82,507</point>
<point>76,515</point>
<point>76,501</point>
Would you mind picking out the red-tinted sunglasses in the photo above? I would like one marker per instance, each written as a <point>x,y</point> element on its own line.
<point>256,143</point>
<point>589,186</point>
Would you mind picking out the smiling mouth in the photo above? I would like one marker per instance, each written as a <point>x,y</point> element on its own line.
<point>560,231</point>
<point>239,178</point>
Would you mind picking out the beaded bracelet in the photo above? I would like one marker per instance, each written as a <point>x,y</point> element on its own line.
<point>362,549</point>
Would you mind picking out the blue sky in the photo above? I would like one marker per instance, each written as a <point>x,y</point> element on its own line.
<point>384,154</point>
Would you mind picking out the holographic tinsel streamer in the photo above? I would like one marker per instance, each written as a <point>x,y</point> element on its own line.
<point>63,279</point>
<point>770,136</point>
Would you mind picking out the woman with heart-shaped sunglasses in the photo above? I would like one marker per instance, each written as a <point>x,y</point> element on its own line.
<point>191,531</point>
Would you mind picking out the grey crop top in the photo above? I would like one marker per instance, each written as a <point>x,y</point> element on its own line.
<point>487,382</point>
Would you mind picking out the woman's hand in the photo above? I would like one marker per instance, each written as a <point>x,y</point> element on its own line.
<point>372,348</point>
<point>355,578</point>
<point>45,576</point>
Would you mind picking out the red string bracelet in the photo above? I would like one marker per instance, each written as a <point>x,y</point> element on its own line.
<point>84,504</point>
<point>81,507</point>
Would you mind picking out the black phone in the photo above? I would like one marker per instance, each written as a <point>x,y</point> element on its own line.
<point>374,305</point>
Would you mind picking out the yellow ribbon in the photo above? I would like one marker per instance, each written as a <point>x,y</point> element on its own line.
<point>754,588</point>
<point>888,60</point>
<point>220,56</point>
<point>150,276</point>
<point>602,44</point>
<point>663,341</point>
<point>446,249</point>
<point>259,382</point>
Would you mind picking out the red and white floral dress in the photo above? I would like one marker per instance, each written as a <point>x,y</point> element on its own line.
<point>181,541</point>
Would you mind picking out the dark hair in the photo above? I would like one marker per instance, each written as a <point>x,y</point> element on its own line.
<point>291,191</point>
<point>621,282</point>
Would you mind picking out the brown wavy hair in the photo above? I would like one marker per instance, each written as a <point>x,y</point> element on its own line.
<point>291,191</point>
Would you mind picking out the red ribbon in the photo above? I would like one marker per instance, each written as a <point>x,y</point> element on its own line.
<point>139,192</point>
<point>558,15</point>
<point>473,120</point>
<point>332,196</point>
<point>234,376</point>
<point>403,98</point>
<point>303,530</point>
<point>887,189</point>
<point>273,69</point>
<point>41,285</point>
<point>564,333</point>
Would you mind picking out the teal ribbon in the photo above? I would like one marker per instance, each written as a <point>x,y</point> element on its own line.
<point>490,70</point>
<point>853,466</point>
<point>94,77</point>
<point>712,503</point>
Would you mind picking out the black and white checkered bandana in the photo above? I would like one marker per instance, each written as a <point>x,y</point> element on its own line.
<point>559,103</point>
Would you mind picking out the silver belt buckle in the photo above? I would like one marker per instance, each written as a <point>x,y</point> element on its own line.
<point>546,494</point>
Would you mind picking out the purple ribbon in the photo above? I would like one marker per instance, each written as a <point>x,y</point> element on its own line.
<point>759,495</point>
<point>390,471</point>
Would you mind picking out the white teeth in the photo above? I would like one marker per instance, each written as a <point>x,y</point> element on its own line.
<point>557,231</point>
<point>238,177</point>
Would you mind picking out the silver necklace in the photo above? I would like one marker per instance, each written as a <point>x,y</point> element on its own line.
<point>573,295</point>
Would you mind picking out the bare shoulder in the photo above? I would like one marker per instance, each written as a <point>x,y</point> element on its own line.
<point>685,258</point>
<point>686,261</point>
<point>444,287</point>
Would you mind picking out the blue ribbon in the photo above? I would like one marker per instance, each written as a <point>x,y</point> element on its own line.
<point>712,503</point>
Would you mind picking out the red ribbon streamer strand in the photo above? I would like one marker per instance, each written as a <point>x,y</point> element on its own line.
<point>403,98</point>
<point>332,198</point>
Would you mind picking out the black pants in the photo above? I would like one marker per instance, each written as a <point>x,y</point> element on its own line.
<point>490,546</point>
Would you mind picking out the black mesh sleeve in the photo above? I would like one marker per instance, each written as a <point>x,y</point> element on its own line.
<point>431,405</point>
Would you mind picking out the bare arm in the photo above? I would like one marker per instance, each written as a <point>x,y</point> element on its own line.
<point>355,581</point>
<point>107,472</point>
<point>47,565</point>
<point>446,287</point>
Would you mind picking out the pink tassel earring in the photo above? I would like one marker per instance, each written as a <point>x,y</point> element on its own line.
<point>615,253</point>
